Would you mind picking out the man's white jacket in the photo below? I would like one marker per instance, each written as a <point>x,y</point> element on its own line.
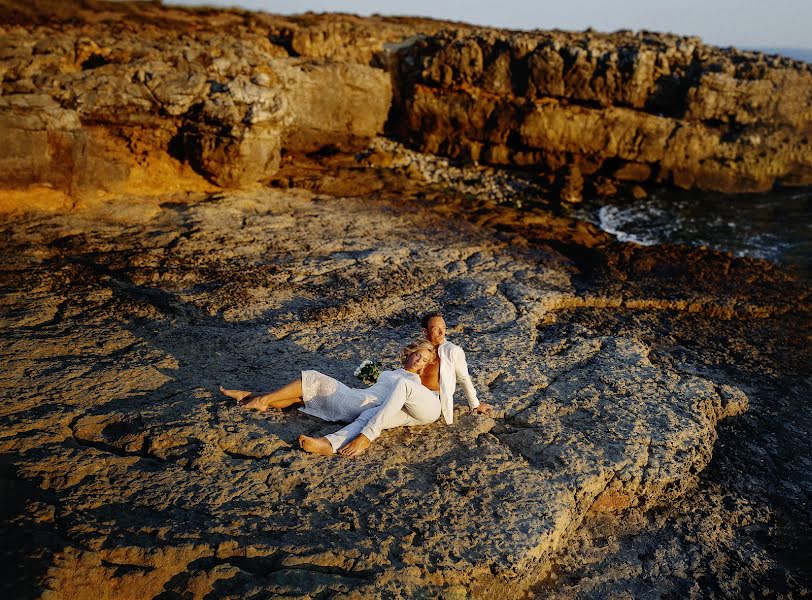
<point>453,370</point>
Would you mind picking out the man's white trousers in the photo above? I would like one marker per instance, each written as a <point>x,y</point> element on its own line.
<point>409,404</point>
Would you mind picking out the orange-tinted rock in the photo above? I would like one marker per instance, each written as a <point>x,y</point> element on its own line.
<point>638,192</point>
<point>221,99</point>
<point>699,116</point>
<point>234,90</point>
<point>611,501</point>
<point>604,187</point>
<point>572,186</point>
<point>633,172</point>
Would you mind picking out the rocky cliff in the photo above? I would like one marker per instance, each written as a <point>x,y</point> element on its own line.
<point>625,106</point>
<point>110,96</point>
<point>99,96</point>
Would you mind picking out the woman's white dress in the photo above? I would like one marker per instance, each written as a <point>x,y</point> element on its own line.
<point>331,400</point>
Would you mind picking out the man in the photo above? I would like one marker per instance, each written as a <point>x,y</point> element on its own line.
<point>410,403</point>
<point>450,368</point>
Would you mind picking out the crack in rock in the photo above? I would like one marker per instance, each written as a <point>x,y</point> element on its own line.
<point>483,505</point>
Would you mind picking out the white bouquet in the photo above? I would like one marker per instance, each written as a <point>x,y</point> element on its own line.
<point>368,371</point>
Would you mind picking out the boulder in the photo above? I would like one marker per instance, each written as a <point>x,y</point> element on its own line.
<point>39,137</point>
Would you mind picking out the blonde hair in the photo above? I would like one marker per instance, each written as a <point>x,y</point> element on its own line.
<point>415,346</point>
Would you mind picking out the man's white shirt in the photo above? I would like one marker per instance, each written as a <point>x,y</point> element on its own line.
<point>453,370</point>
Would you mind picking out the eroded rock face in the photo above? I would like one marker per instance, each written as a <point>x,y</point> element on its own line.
<point>130,88</point>
<point>207,90</point>
<point>156,484</point>
<point>639,107</point>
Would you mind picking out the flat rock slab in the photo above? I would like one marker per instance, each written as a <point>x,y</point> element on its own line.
<point>142,481</point>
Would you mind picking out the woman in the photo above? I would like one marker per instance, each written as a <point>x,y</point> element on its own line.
<point>329,399</point>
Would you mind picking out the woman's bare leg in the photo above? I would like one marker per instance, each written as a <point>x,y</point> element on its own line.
<point>285,396</point>
<point>316,445</point>
<point>235,394</point>
<point>261,403</point>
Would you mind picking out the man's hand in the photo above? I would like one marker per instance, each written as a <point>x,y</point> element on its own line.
<point>483,409</point>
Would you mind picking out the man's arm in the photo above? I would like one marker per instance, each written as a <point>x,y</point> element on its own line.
<point>464,379</point>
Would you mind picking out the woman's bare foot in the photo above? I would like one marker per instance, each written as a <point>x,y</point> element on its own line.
<point>316,445</point>
<point>356,447</point>
<point>234,394</point>
<point>254,403</point>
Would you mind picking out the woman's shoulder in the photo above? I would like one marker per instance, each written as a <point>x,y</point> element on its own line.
<point>391,374</point>
<point>409,375</point>
<point>398,373</point>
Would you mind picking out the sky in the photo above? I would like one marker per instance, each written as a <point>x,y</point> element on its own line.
<point>740,23</point>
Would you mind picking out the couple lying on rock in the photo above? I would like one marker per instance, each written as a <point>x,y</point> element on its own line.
<point>415,395</point>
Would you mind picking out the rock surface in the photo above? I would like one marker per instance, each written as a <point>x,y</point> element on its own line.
<point>134,477</point>
<point>609,469</point>
<point>174,88</point>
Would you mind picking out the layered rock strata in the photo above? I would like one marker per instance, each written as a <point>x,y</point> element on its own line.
<point>631,107</point>
<point>117,97</point>
<point>106,98</point>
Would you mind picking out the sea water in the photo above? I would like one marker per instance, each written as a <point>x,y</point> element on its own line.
<point>775,226</point>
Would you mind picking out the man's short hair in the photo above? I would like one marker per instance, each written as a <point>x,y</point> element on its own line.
<point>424,322</point>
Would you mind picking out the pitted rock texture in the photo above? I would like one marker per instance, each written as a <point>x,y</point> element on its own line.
<point>141,480</point>
<point>639,107</point>
<point>745,529</point>
<point>137,88</point>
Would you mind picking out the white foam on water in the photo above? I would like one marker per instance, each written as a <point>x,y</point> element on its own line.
<point>616,220</point>
<point>775,226</point>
